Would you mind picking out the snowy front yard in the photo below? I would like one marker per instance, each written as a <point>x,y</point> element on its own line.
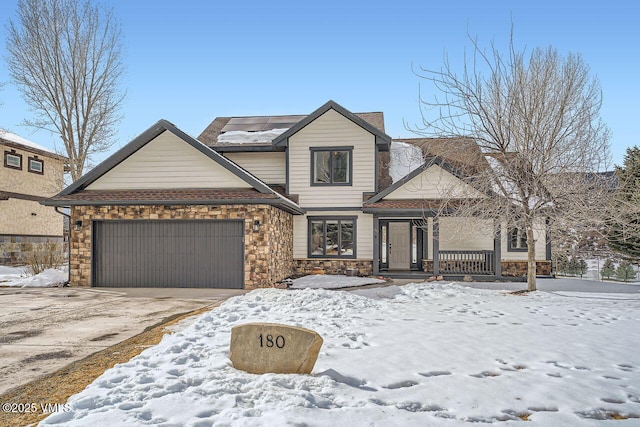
<point>20,278</point>
<point>421,354</point>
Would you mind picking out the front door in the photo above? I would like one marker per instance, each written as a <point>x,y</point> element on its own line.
<point>399,247</point>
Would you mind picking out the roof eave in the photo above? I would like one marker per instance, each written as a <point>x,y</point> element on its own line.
<point>245,148</point>
<point>283,204</point>
<point>34,150</point>
<point>400,211</point>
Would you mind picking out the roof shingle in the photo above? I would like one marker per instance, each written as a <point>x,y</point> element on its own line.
<point>170,195</point>
<point>209,136</point>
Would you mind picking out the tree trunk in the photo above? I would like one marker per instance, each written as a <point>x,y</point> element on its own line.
<point>531,259</point>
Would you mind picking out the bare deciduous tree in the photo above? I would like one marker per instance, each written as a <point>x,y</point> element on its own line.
<point>65,57</point>
<point>536,119</point>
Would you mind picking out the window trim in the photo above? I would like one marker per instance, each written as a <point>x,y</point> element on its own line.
<point>6,159</point>
<point>314,150</point>
<point>523,236</point>
<point>340,219</point>
<point>37,160</point>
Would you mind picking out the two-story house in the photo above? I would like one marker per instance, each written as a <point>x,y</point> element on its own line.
<point>29,174</point>
<point>254,200</point>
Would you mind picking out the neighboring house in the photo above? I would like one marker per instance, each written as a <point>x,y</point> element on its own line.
<point>29,174</point>
<point>254,200</point>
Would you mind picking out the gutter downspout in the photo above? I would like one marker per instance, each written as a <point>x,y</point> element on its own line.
<point>69,244</point>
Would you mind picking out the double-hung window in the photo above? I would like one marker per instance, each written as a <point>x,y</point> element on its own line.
<point>331,165</point>
<point>332,237</point>
<point>517,240</point>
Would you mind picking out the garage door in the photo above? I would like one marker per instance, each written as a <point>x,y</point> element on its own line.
<point>180,254</point>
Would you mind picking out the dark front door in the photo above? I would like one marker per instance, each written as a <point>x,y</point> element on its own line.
<point>182,254</point>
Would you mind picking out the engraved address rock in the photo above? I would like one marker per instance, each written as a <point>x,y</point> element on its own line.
<point>261,348</point>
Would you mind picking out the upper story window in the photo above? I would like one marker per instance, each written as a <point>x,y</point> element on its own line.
<point>36,165</point>
<point>517,240</point>
<point>12,160</point>
<point>331,165</point>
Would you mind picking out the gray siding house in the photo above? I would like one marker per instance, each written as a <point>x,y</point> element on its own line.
<point>254,200</point>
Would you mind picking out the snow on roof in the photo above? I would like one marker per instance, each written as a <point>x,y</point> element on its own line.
<point>12,137</point>
<point>505,186</point>
<point>246,137</point>
<point>404,158</point>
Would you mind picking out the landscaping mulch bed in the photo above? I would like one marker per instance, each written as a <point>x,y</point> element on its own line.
<point>57,387</point>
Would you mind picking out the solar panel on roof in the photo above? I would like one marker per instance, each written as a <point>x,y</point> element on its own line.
<point>285,119</point>
<point>251,127</point>
<point>260,123</point>
<point>248,120</point>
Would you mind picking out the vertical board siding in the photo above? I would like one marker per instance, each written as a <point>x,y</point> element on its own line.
<point>331,130</point>
<point>269,167</point>
<point>167,162</point>
<point>200,254</point>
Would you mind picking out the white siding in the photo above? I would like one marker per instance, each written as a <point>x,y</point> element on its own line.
<point>541,245</point>
<point>269,167</point>
<point>434,183</point>
<point>167,162</point>
<point>465,234</point>
<point>331,130</point>
<point>364,233</point>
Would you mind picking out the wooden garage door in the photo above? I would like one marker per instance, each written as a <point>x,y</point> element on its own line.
<point>177,254</point>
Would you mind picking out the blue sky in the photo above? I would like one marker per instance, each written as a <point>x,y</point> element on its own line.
<point>189,61</point>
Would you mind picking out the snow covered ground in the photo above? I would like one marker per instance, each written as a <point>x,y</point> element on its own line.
<point>18,277</point>
<point>330,281</point>
<point>422,354</point>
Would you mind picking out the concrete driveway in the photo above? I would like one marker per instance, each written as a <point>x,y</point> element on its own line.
<point>45,329</point>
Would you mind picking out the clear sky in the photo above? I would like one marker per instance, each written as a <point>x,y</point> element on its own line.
<point>190,61</point>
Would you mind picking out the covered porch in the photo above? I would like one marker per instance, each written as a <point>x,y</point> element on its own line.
<point>418,246</point>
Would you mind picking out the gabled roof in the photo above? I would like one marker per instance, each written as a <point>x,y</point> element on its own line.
<point>76,191</point>
<point>16,141</point>
<point>382,139</point>
<point>426,165</point>
<point>463,153</point>
<point>221,125</point>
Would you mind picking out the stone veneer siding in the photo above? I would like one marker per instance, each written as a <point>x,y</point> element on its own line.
<point>16,250</point>
<point>519,268</point>
<point>333,266</point>
<point>268,253</point>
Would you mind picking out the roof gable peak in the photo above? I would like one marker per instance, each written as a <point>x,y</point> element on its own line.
<point>145,138</point>
<point>382,139</point>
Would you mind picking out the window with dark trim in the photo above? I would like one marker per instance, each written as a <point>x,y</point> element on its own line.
<point>332,237</point>
<point>331,165</point>
<point>517,240</point>
<point>12,160</point>
<point>36,165</point>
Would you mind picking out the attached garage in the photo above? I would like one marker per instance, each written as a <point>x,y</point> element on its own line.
<point>167,211</point>
<point>169,253</point>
